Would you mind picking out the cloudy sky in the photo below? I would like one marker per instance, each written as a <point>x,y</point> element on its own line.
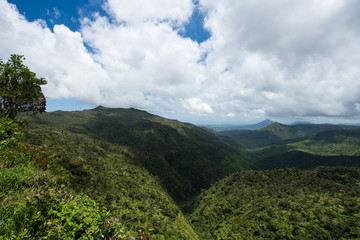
<point>205,61</point>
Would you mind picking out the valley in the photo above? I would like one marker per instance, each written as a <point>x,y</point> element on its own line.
<point>180,181</point>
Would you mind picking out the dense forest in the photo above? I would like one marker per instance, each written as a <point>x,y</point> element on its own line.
<point>186,158</point>
<point>109,173</point>
<point>281,204</point>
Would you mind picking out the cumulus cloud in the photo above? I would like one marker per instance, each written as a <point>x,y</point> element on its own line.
<point>197,106</point>
<point>286,58</point>
<point>137,12</point>
<point>275,58</point>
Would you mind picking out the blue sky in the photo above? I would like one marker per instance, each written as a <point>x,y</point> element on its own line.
<point>70,13</point>
<point>65,12</point>
<point>205,61</point>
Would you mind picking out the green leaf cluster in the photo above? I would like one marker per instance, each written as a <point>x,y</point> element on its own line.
<point>10,133</point>
<point>20,89</point>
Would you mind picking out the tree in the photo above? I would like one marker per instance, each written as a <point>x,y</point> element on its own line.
<point>20,89</point>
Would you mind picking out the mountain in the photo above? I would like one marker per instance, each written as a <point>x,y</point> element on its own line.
<point>332,143</point>
<point>303,160</point>
<point>105,173</point>
<point>281,204</point>
<point>184,157</point>
<point>278,133</point>
<point>219,128</point>
<point>260,125</point>
<point>67,185</point>
<point>342,143</point>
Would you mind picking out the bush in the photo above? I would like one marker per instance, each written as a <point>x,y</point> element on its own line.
<point>10,133</point>
<point>35,203</point>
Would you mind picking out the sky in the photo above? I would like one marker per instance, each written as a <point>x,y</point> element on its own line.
<point>203,61</point>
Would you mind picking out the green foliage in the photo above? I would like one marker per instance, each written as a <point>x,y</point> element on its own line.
<point>10,133</point>
<point>281,204</point>
<point>236,163</point>
<point>35,203</point>
<point>109,174</point>
<point>20,90</point>
<point>257,154</point>
<point>43,208</point>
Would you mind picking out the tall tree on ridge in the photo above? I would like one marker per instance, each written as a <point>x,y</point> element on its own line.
<point>20,89</point>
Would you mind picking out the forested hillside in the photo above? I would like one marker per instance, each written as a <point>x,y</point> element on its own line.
<point>41,199</point>
<point>278,133</point>
<point>134,170</point>
<point>327,148</point>
<point>281,204</point>
<point>186,158</point>
<point>332,143</point>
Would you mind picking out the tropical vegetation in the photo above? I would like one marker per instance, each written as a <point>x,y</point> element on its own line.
<point>20,89</point>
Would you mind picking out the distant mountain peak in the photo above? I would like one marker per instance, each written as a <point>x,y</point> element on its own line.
<point>99,107</point>
<point>264,123</point>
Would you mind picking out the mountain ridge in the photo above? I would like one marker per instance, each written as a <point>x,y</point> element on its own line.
<point>185,157</point>
<point>227,127</point>
<point>277,133</point>
<point>136,164</point>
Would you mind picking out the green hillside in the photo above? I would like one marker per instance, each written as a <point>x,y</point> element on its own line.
<point>279,133</point>
<point>108,172</point>
<point>328,143</point>
<point>332,143</point>
<point>132,170</point>
<point>186,158</point>
<point>281,204</point>
<point>40,199</point>
<point>303,160</point>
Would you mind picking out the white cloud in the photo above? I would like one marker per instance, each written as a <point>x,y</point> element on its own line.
<point>197,107</point>
<point>277,58</point>
<point>148,58</point>
<point>155,11</point>
<point>286,58</point>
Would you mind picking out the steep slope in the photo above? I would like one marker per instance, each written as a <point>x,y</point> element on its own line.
<point>40,199</point>
<point>279,133</point>
<point>186,158</point>
<point>281,204</point>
